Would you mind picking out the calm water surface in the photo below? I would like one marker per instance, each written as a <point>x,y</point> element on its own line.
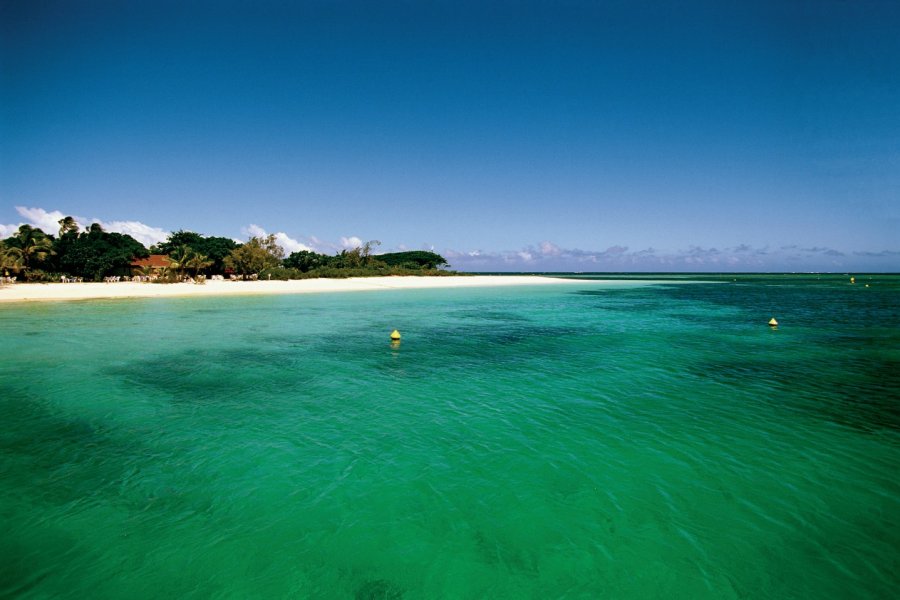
<point>576,441</point>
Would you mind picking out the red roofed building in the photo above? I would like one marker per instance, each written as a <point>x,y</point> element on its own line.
<point>154,261</point>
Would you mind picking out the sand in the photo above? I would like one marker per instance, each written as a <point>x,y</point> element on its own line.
<point>34,292</point>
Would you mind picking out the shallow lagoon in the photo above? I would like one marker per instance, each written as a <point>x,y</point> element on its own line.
<point>564,441</point>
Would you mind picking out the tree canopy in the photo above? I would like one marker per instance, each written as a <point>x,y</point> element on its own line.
<point>257,254</point>
<point>185,259</point>
<point>67,224</point>
<point>215,249</point>
<point>306,261</point>
<point>356,258</point>
<point>29,247</point>
<point>177,239</point>
<point>9,259</point>
<point>96,253</point>
<point>415,259</point>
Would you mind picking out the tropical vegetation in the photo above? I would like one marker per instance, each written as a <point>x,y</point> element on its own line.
<point>28,247</point>
<point>215,249</point>
<point>255,256</point>
<point>93,254</point>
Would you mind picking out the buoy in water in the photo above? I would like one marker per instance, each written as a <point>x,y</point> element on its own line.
<point>773,322</point>
<point>853,280</point>
<point>395,335</point>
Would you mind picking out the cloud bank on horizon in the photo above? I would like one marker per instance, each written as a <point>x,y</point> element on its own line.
<point>544,256</point>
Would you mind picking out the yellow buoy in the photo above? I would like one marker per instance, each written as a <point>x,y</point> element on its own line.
<point>773,322</point>
<point>395,335</point>
<point>853,280</point>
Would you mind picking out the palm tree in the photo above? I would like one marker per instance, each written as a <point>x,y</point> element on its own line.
<point>10,258</point>
<point>166,275</point>
<point>197,261</point>
<point>147,271</point>
<point>367,251</point>
<point>186,259</point>
<point>66,225</point>
<point>31,244</point>
<point>179,259</point>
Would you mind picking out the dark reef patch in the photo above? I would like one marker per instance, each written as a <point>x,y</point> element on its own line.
<point>378,589</point>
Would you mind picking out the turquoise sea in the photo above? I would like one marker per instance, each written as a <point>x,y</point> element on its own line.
<point>637,439</point>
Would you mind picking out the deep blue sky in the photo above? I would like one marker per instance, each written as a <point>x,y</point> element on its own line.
<point>538,135</point>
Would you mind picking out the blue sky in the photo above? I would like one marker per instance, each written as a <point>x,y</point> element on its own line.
<point>566,135</point>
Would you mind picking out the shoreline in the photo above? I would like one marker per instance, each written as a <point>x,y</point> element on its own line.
<point>44,292</point>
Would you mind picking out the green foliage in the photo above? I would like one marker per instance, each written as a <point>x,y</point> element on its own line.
<point>359,257</point>
<point>333,272</point>
<point>280,273</point>
<point>382,271</point>
<point>214,248</point>
<point>39,276</point>
<point>67,225</point>
<point>166,275</point>
<point>255,256</point>
<point>414,259</point>
<point>147,271</point>
<point>346,259</point>
<point>9,259</point>
<point>176,240</point>
<point>29,247</point>
<point>163,277</point>
<point>96,253</point>
<point>336,273</point>
<point>305,261</point>
<point>184,259</point>
<point>360,262</point>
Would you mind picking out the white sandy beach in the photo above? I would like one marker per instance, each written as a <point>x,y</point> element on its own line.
<point>35,292</point>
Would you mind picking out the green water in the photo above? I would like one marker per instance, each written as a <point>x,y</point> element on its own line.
<point>573,441</point>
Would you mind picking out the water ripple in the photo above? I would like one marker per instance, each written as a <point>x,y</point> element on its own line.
<point>533,443</point>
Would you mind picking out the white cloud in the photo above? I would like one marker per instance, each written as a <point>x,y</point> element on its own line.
<point>311,243</point>
<point>349,243</point>
<point>145,234</point>
<point>254,231</point>
<point>48,222</point>
<point>550,249</point>
<point>525,255</point>
<point>615,251</point>
<point>289,244</point>
<point>549,256</point>
<point>546,256</point>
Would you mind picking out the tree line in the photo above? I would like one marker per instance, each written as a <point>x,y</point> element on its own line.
<point>92,254</point>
